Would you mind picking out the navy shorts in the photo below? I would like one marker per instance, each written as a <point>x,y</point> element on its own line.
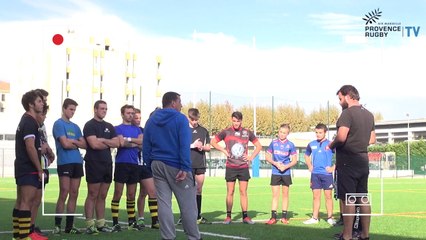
<point>32,180</point>
<point>322,181</point>
<point>278,180</point>
<point>71,170</point>
<point>126,173</point>
<point>232,174</point>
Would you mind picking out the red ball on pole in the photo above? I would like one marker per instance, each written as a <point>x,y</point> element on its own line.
<point>58,39</point>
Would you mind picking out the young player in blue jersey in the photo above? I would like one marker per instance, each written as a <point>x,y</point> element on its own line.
<point>68,140</point>
<point>126,168</point>
<point>282,154</point>
<point>319,159</point>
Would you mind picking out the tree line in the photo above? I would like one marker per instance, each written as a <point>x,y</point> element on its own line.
<point>218,116</point>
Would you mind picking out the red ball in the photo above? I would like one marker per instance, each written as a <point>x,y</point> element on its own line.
<point>58,39</point>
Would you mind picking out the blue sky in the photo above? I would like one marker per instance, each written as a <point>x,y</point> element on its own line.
<point>304,50</point>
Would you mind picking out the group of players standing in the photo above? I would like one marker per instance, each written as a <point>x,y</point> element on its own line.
<point>154,174</point>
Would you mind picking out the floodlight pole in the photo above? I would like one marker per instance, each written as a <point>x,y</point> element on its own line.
<point>408,141</point>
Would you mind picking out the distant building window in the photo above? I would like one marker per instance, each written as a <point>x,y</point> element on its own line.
<point>3,97</point>
<point>10,137</point>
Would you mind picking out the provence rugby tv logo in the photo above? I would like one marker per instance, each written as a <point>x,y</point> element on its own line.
<point>374,28</point>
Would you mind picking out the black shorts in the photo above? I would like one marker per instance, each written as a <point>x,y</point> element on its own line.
<point>351,180</point>
<point>232,174</point>
<point>98,171</point>
<point>198,171</point>
<point>126,173</point>
<point>71,170</point>
<point>144,172</point>
<point>32,180</point>
<point>278,180</point>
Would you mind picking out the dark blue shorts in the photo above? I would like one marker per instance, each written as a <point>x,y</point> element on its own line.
<point>322,181</point>
<point>32,180</point>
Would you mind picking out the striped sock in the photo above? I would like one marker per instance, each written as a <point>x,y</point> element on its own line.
<point>15,221</point>
<point>153,209</point>
<point>115,208</point>
<point>24,221</point>
<point>130,205</point>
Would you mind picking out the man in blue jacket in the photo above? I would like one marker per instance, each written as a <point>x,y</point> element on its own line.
<point>166,150</point>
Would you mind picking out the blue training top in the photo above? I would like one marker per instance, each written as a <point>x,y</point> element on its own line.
<point>320,157</point>
<point>69,130</point>
<point>281,152</point>
<point>127,154</point>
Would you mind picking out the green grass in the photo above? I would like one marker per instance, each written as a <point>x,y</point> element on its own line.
<point>404,212</point>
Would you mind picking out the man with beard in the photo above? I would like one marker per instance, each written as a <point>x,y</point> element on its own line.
<point>355,131</point>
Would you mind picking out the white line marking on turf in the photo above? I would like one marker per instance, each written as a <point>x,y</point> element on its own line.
<point>181,230</point>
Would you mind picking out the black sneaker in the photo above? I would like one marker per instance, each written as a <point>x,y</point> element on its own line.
<point>73,230</point>
<point>339,222</point>
<point>203,220</point>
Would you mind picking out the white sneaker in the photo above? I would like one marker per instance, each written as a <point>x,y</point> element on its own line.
<point>311,221</point>
<point>331,221</point>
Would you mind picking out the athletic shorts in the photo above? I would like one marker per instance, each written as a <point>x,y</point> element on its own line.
<point>126,173</point>
<point>32,180</point>
<point>322,181</point>
<point>198,171</point>
<point>351,180</point>
<point>144,172</point>
<point>98,171</point>
<point>71,170</point>
<point>277,180</point>
<point>232,174</point>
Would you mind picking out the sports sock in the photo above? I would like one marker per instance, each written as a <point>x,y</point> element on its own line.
<point>90,222</point>
<point>130,205</point>
<point>58,221</point>
<point>69,222</point>
<point>245,214</point>
<point>100,223</point>
<point>15,221</point>
<point>284,214</point>
<point>228,213</point>
<point>274,214</point>
<point>199,206</point>
<point>153,209</point>
<point>24,219</point>
<point>115,208</point>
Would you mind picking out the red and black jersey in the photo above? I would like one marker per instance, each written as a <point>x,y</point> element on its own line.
<point>236,141</point>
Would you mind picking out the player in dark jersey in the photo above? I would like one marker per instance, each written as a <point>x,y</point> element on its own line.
<point>28,169</point>
<point>236,139</point>
<point>200,145</point>
<point>100,137</point>
<point>355,131</point>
